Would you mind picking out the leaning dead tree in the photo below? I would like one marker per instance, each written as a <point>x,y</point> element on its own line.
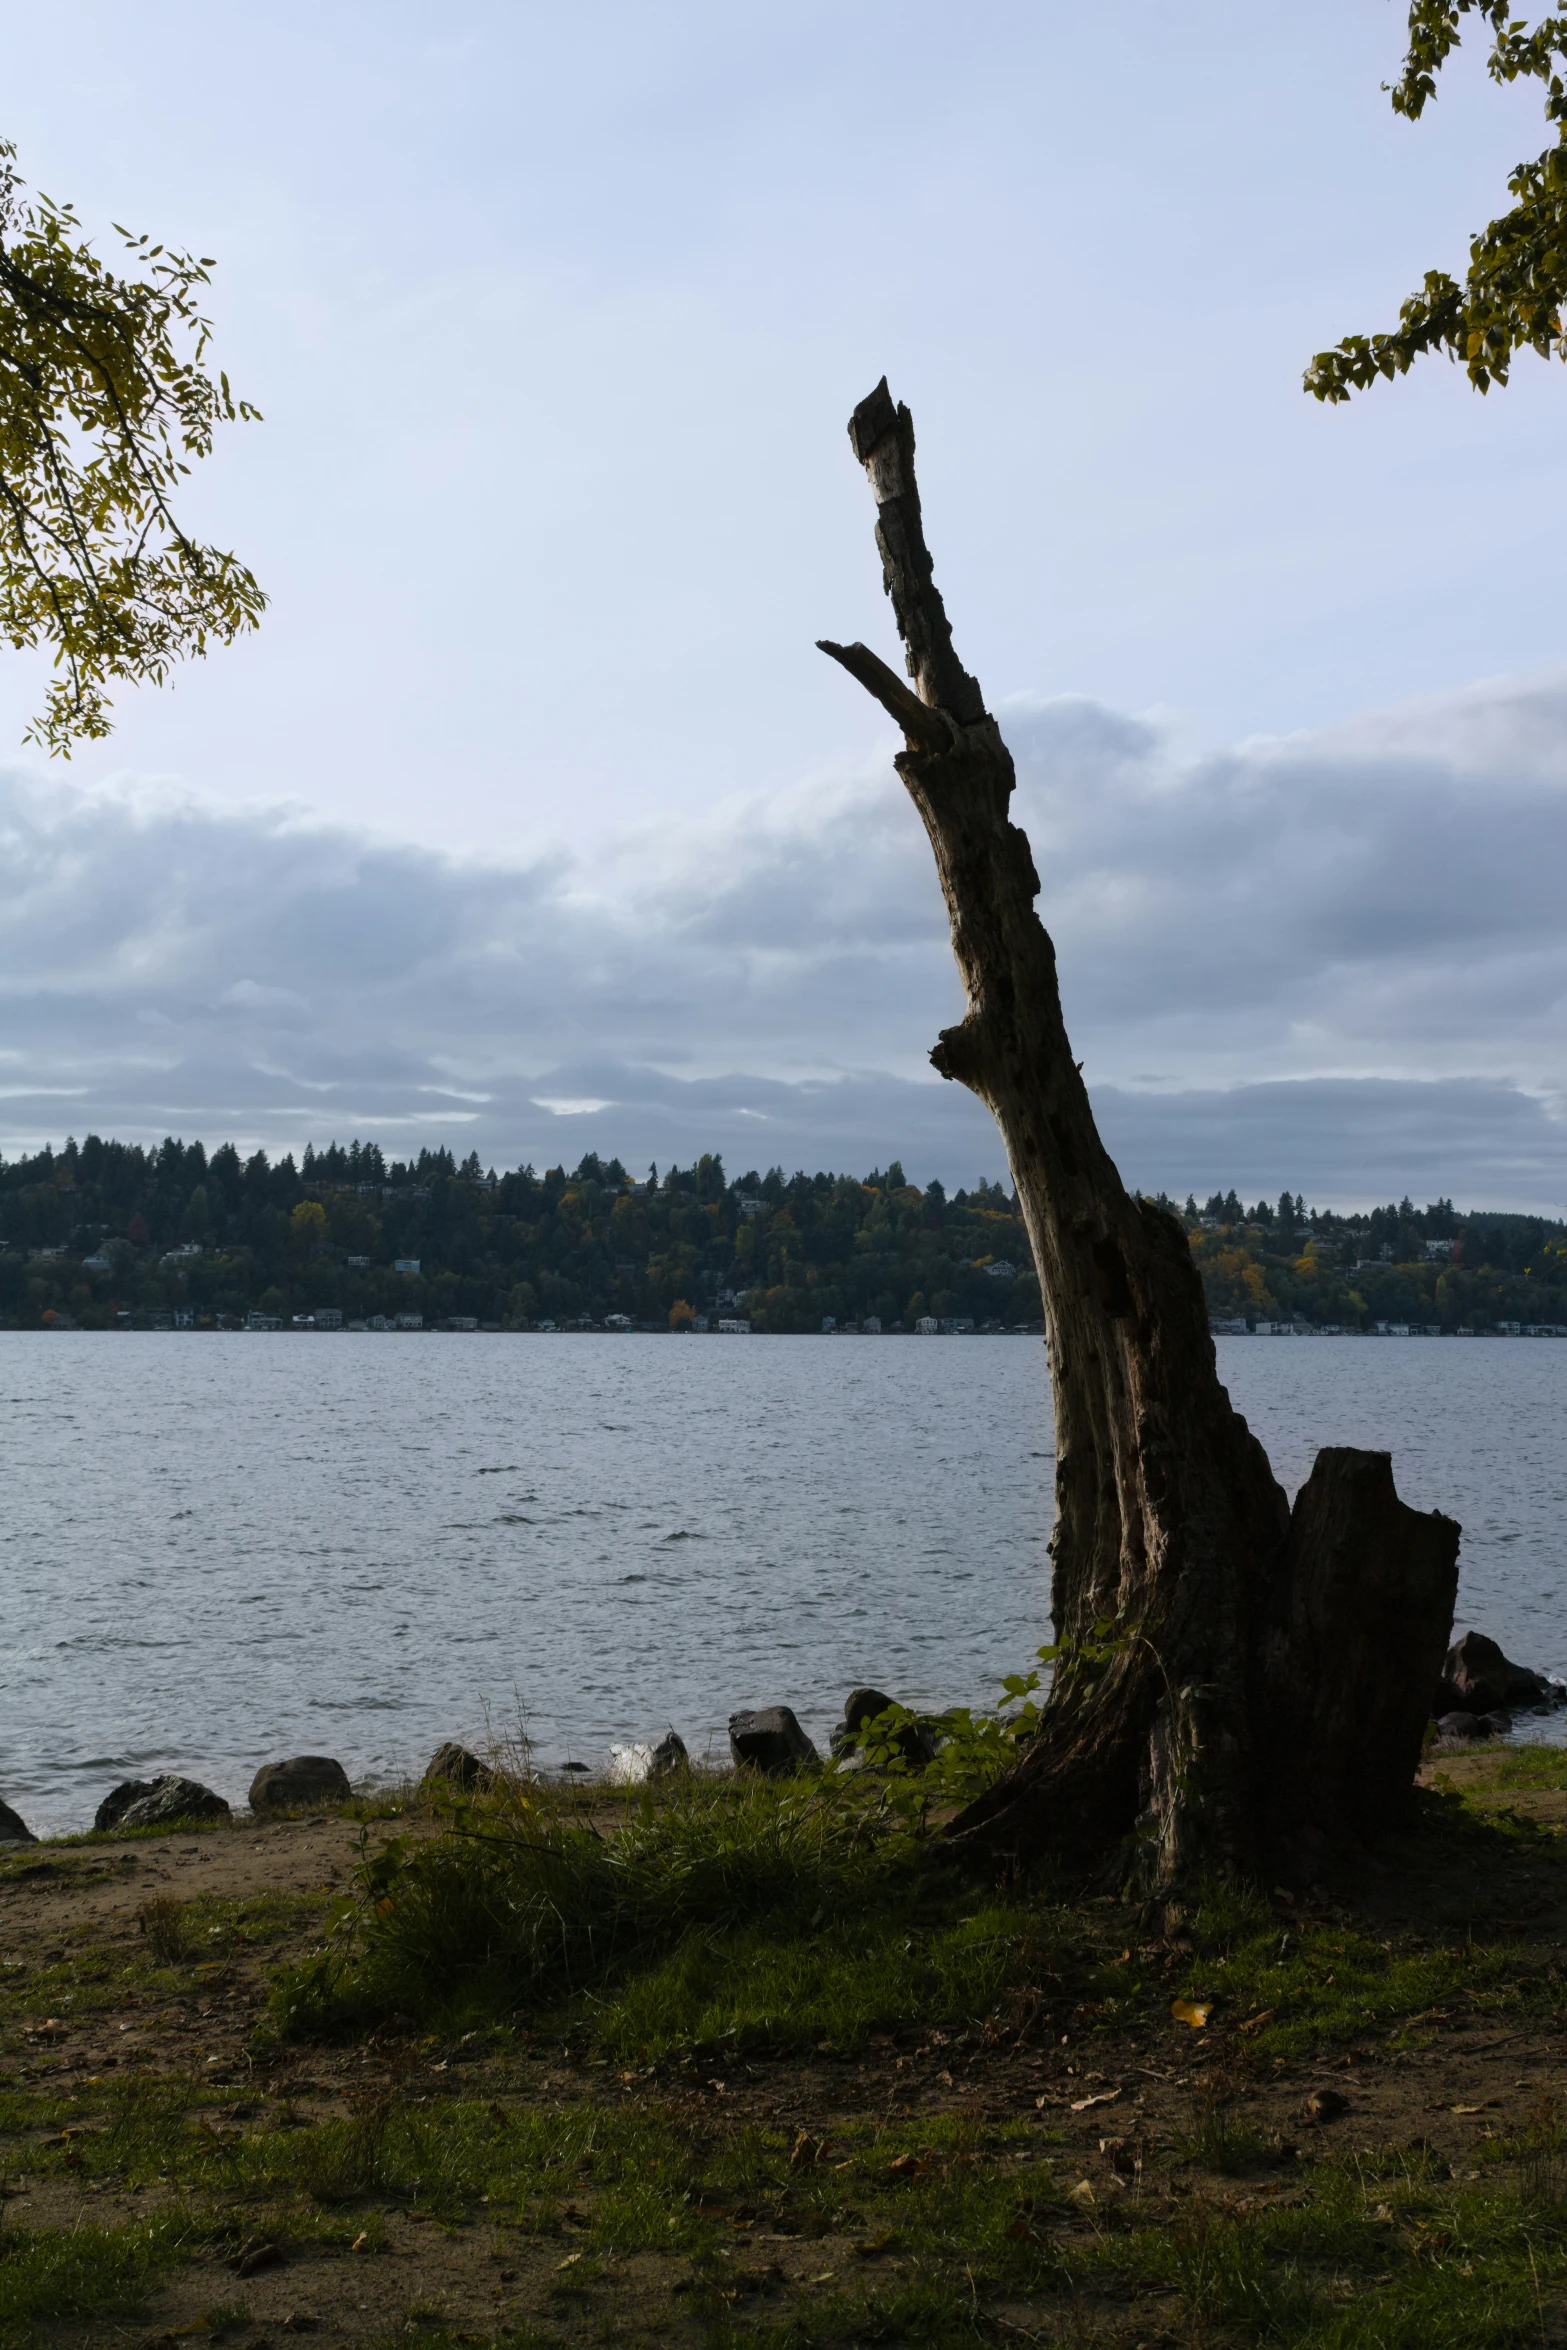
<point>1235,1677</point>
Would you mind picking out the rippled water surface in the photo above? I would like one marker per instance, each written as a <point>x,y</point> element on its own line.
<point>223,1549</point>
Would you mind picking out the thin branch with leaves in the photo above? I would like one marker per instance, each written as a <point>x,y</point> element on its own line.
<point>1512,295</point>
<point>105,403</point>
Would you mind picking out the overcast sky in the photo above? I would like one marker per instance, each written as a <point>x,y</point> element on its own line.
<point>533,820</point>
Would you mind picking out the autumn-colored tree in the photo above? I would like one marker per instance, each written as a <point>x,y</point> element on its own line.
<point>307,1224</point>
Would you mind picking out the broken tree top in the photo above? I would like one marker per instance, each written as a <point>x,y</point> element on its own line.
<point>882,437</point>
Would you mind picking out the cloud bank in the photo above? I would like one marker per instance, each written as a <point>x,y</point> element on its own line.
<point>1335,961</point>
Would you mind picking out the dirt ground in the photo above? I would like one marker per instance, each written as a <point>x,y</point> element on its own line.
<point>1469,2081</point>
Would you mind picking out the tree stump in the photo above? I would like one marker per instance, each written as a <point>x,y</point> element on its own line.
<point>1232,1675</point>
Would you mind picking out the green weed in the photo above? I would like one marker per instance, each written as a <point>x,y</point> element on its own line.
<point>1532,1766</point>
<point>170,1930</point>
<point>81,2272</point>
<point>714,1909</point>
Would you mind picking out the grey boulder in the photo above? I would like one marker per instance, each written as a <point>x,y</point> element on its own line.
<point>770,1740</point>
<point>171,1798</point>
<point>861,1707</point>
<point>915,1741</point>
<point>1452,1728</point>
<point>14,1830</point>
<point>118,1802</point>
<point>453,1766</point>
<point>303,1780</point>
<point>1478,1679</point>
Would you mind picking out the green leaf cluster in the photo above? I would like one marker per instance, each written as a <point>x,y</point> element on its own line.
<point>1512,293</point>
<point>104,404</point>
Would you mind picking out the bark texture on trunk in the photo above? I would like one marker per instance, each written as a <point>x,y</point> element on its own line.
<point>1222,1658</point>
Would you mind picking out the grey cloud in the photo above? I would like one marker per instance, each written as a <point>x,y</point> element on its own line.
<point>1316,961</point>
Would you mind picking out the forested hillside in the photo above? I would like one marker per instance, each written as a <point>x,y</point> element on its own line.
<point>104,1230</point>
<point>105,1234</point>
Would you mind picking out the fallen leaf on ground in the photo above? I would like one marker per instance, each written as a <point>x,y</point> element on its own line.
<point>1101,2097</point>
<point>1191,2011</point>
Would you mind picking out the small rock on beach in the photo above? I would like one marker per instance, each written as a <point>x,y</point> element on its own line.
<point>1478,1679</point>
<point>118,1802</point>
<point>915,1741</point>
<point>13,1829</point>
<point>172,1798</point>
<point>457,1767</point>
<point>304,1779</point>
<point>770,1740</point>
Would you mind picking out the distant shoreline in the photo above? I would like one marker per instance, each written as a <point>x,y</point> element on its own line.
<point>413,1326</point>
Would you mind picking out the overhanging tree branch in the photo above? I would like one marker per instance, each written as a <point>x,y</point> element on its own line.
<point>1515,288</point>
<point>99,412</point>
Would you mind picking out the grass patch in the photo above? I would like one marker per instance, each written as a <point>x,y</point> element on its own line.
<point>721,1910</point>
<point>1532,1766</point>
<point>898,1964</point>
<point>81,2272</point>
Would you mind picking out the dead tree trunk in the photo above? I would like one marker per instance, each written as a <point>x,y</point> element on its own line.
<point>1231,1674</point>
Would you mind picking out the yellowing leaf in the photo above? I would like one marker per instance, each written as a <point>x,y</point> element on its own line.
<point>1191,2011</point>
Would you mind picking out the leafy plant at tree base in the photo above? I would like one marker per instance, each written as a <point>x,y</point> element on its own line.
<point>1511,297</point>
<point>101,410</point>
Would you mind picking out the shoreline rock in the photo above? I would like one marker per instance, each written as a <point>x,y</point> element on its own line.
<point>118,1802</point>
<point>1478,1680</point>
<point>13,1828</point>
<point>770,1740</point>
<point>160,1802</point>
<point>303,1780</point>
<point>915,1741</point>
<point>452,1765</point>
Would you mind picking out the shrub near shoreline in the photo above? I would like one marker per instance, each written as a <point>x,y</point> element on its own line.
<point>821,1900</point>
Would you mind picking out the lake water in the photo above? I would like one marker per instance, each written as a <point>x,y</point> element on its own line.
<point>224,1549</point>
